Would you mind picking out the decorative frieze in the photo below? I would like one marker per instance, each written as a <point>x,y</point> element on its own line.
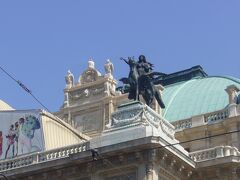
<point>137,113</point>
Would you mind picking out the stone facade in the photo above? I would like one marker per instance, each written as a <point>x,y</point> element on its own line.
<point>134,141</point>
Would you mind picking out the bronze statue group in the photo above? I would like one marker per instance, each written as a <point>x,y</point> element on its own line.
<point>140,81</point>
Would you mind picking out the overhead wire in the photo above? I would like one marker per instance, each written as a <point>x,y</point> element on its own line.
<point>24,87</point>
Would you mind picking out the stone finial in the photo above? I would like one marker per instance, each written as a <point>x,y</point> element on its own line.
<point>69,78</point>
<point>91,64</point>
<point>109,68</point>
<point>233,93</point>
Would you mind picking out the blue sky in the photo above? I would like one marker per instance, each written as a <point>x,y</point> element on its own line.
<point>41,40</point>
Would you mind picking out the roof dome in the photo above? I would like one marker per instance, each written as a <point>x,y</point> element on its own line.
<point>197,96</point>
<point>4,106</point>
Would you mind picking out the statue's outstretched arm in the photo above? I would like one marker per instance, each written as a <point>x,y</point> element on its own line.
<point>124,60</point>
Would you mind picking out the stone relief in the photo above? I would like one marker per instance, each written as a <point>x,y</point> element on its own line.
<point>89,75</point>
<point>139,113</point>
<point>86,93</point>
<point>88,122</point>
<point>109,88</point>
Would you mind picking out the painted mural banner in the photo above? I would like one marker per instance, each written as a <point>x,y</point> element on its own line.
<point>20,133</point>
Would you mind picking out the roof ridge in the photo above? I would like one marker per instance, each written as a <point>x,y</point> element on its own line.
<point>236,80</point>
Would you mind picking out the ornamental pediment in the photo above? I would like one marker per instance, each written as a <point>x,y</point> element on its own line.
<point>90,75</point>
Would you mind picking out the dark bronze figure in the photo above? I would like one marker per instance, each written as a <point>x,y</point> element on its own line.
<point>238,98</point>
<point>140,81</point>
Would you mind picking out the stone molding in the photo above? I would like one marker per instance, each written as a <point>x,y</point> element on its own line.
<point>40,157</point>
<point>214,153</point>
<point>136,113</point>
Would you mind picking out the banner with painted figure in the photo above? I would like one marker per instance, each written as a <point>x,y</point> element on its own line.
<point>20,133</point>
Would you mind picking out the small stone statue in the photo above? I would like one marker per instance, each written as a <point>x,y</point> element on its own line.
<point>109,68</point>
<point>69,78</point>
<point>91,64</point>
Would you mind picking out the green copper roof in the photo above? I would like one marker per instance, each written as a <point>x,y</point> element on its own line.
<point>197,96</point>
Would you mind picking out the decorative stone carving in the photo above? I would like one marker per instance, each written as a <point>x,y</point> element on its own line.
<point>69,78</point>
<point>88,122</point>
<point>89,75</point>
<point>173,162</point>
<point>181,168</point>
<point>109,88</point>
<point>149,168</point>
<point>139,113</point>
<point>109,68</point>
<point>91,64</point>
<point>139,156</point>
<point>189,174</point>
<point>86,93</point>
<point>164,157</point>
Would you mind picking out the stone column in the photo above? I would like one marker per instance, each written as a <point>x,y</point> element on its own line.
<point>232,110</point>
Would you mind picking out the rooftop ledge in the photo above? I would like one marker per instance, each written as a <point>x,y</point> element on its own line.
<point>232,110</point>
<point>216,155</point>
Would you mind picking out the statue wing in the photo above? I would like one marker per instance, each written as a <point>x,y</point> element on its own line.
<point>124,80</point>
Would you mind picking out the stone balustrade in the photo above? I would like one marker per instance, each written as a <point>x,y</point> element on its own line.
<point>183,124</point>
<point>40,157</point>
<point>214,153</point>
<point>216,116</point>
<point>204,119</point>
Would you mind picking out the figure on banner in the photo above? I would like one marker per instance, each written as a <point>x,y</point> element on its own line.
<point>27,129</point>
<point>16,137</point>
<point>10,140</point>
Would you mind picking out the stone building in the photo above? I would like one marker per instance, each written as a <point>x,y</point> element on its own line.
<point>195,137</point>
